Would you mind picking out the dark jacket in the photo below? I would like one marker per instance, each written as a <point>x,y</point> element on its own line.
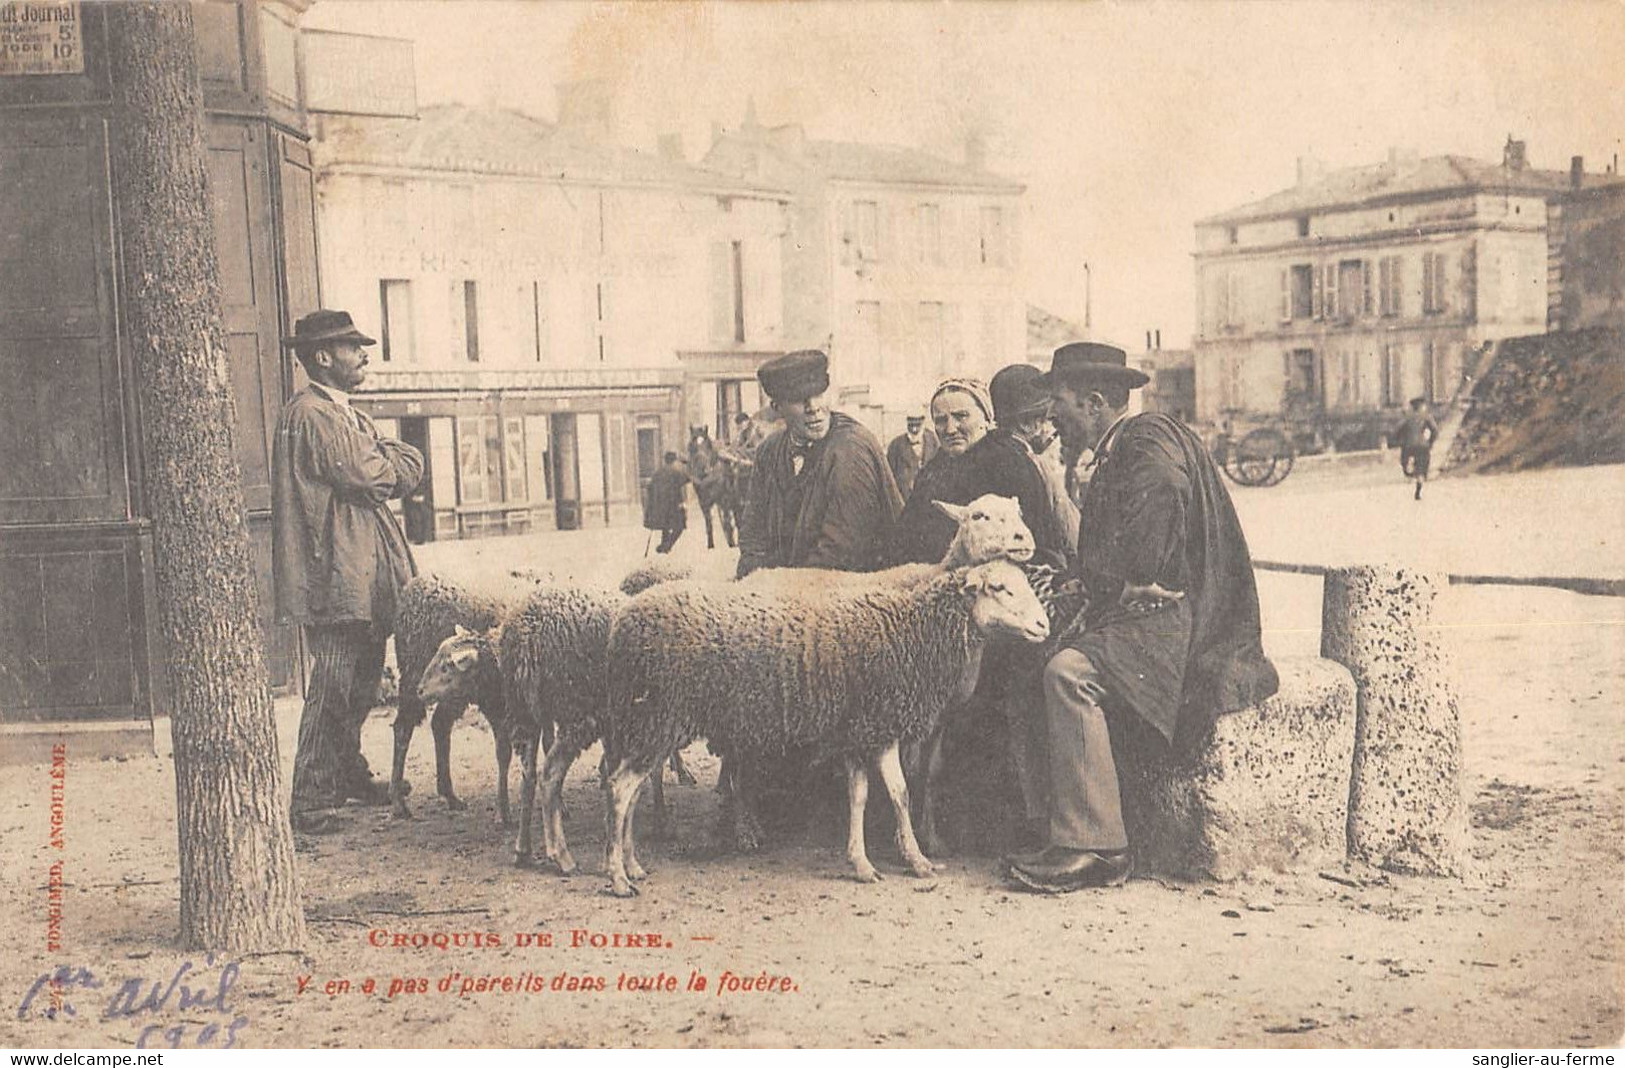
<point>837,514</point>
<point>1157,511</point>
<point>663,499</point>
<point>905,466</point>
<point>1418,431</point>
<point>337,552</point>
<point>999,463</point>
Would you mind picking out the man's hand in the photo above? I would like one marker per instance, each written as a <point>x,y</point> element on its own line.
<point>1133,594</point>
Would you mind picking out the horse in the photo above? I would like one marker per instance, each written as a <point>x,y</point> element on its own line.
<point>716,484</point>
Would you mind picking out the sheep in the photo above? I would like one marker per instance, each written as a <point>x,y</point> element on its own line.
<point>543,666</point>
<point>429,610</point>
<point>846,669</point>
<point>989,528</point>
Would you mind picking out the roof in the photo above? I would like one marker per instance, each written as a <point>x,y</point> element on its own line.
<point>453,137</point>
<point>1385,182</point>
<point>1047,331</point>
<point>792,158</point>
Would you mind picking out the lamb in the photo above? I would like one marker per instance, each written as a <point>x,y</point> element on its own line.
<point>544,666</point>
<point>429,611</point>
<point>846,669</point>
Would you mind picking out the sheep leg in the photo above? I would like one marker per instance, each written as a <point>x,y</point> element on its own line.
<point>657,797</point>
<point>891,774</point>
<point>747,827</point>
<point>680,770</point>
<point>620,794</point>
<point>927,779</point>
<point>634,869</point>
<point>504,743</point>
<point>857,797</point>
<point>560,756</point>
<point>446,713</point>
<point>407,717</point>
<point>528,745</point>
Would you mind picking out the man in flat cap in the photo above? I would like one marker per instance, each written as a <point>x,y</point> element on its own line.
<point>821,494</point>
<point>1171,633</point>
<point>910,451</point>
<point>339,557</point>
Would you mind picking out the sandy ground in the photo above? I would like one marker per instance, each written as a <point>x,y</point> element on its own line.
<point>1525,950</point>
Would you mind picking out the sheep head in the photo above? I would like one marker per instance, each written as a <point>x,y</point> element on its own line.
<point>450,670</point>
<point>1003,603</point>
<point>990,528</point>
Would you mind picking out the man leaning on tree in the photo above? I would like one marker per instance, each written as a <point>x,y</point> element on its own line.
<point>339,557</point>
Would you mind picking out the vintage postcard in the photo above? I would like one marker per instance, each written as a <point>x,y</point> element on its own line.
<point>878,525</point>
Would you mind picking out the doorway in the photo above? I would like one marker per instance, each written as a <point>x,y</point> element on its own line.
<point>417,510</point>
<point>566,472</point>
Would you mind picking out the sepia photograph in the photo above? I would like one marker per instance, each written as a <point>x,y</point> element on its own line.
<point>876,525</point>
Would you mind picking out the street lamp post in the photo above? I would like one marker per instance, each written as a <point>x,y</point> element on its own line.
<point>1088,301</point>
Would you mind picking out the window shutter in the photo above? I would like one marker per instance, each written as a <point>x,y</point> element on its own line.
<point>1331,290</point>
<point>1286,295</point>
<point>1367,297</point>
<point>722,291</point>
<point>1441,289</point>
<point>1317,293</point>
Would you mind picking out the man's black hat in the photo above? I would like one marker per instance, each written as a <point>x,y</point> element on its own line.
<point>795,376</point>
<point>1018,390</point>
<point>323,326</point>
<point>1086,362</point>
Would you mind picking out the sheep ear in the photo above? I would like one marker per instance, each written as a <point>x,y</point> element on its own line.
<point>956,512</point>
<point>461,631</point>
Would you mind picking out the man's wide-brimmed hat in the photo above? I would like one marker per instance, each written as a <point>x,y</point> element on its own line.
<point>795,376</point>
<point>323,326</point>
<point>1090,362</point>
<point>1018,391</point>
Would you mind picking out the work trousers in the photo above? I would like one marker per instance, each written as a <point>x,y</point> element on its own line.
<point>347,660</point>
<point>1085,805</point>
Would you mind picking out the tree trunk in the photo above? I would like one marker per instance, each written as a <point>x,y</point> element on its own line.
<point>238,887</point>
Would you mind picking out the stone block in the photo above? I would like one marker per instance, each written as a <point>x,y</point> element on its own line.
<point>1261,788</point>
<point>1407,812</point>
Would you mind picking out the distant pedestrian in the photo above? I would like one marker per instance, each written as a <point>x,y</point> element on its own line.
<point>663,508</point>
<point>910,451</point>
<point>339,557</point>
<point>1416,437</point>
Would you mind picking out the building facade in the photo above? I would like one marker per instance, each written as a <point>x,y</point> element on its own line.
<point>554,312</point>
<point>1335,302</point>
<point>903,266</point>
<point>78,647</point>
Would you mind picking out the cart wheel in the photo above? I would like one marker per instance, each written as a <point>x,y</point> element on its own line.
<point>1253,461</point>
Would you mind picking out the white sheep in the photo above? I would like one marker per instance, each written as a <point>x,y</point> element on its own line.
<point>845,669</point>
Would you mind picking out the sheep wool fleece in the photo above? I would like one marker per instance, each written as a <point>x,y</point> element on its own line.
<point>842,669</point>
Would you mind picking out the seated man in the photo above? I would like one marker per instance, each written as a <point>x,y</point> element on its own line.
<point>1172,628</point>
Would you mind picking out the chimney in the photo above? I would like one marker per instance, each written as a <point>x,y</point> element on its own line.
<point>789,138</point>
<point>588,107</point>
<point>1159,339</point>
<point>1577,171</point>
<point>1513,156</point>
<point>1148,341</point>
<point>976,152</point>
<point>671,147</point>
<point>1310,170</point>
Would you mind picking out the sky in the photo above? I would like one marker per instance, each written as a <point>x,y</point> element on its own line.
<point>1127,122</point>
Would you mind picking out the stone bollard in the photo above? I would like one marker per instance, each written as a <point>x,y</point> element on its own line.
<point>1407,812</point>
